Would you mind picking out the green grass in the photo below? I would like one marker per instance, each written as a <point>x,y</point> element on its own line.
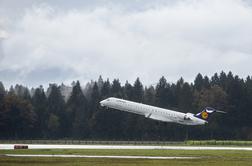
<point>211,157</point>
<point>91,142</point>
<point>119,162</point>
<point>170,143</point>
<point>182,143</point>
<point>219,142</point>
<point>133,152</point>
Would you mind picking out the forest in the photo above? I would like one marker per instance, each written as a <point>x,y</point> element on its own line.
<point>73,112</point>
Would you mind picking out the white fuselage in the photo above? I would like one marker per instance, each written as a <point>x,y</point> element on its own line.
<point>152,112</point>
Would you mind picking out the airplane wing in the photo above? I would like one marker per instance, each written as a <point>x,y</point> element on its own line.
<point>157,117</point>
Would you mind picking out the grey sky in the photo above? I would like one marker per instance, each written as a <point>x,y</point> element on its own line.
<point>60,41</point>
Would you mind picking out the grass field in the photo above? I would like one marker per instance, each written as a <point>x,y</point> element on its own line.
<point>92,142</point>
<point>175,143</point>
<point>210,157</point>
<point>218,142</point>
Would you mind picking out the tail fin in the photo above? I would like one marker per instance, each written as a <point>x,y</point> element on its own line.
<point>207,112</point>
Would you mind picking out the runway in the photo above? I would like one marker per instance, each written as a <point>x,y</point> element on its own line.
<point>54,146</point>
<point>96,156</point>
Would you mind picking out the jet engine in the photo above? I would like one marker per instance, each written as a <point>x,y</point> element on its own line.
<point>188,116</point>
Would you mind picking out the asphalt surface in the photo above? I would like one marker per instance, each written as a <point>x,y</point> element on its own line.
<point>95,156</point>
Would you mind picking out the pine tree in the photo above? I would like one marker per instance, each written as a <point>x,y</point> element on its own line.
<point>105,90</point>
<point>149,95</point>
<point>2,95</point>
<point>77,113</point>
<point>138,91</point>
<point>22,92</point>
<point>215,80</point>
<point>116,89</point>
<point>184,96</point>
<point>56,108</point>
<point>95,98</point>
<point>161,90</point>
<point>3,116</point>
<point>128,91</point>
<point>17,118</point>
<point>113,120</point>
<point>206,82</point>
<point>39,102</point>
<point>137,122</point>
<point>2,91</point>
<point>199,82</point>
<point>164,94</point>
<point>96,122</point>
<point>100,83</point>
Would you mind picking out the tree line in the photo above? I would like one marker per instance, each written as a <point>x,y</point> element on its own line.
<point>73,112</point>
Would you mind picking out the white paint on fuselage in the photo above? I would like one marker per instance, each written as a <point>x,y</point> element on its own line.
<point>152,112</point>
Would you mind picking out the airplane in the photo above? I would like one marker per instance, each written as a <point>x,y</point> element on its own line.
<point>160,114</point>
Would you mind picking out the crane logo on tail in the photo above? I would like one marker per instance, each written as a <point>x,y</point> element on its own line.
<point>204,115</point>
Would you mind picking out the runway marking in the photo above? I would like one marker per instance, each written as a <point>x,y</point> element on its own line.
<point>144,147</point>
<point>94,156</point>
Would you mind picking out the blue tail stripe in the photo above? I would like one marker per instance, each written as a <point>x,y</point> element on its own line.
<point>205,113</point>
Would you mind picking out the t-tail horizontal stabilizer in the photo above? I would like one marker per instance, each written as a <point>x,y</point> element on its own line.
<point>207,112</point>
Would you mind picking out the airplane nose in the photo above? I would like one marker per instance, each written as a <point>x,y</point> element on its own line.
<point>102,103</point>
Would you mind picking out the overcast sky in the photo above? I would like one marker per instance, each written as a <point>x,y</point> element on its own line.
<point>44,42</point>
